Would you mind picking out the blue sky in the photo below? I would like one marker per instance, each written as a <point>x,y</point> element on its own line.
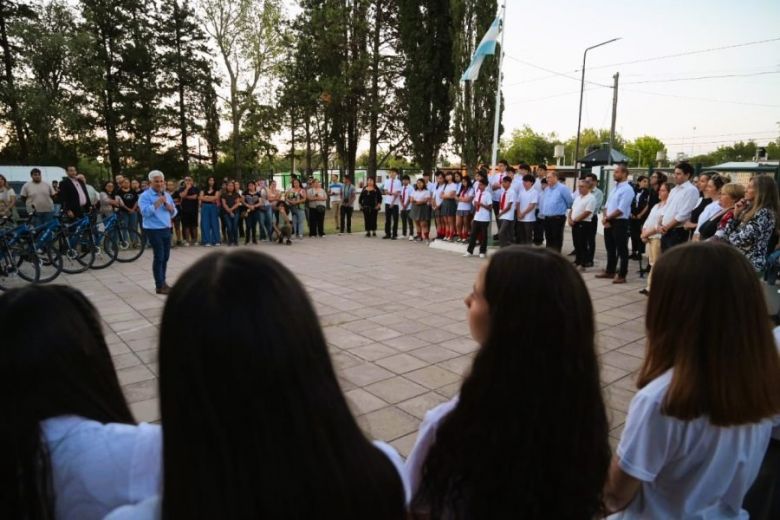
<point>553,34</point>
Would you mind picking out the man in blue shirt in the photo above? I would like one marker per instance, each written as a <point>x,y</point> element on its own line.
<point>158,209</point>
<point>554,203</point>
<point>616,216</point>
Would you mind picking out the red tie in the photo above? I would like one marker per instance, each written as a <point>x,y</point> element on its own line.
<point>391,186</point>
<point>479,199</point>
<point>403,195</point>
<point>503,198</point>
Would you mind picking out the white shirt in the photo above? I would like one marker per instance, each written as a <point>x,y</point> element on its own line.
<point>712,209</point>
<point>508,199</point>
<point>451,188</point>
<point>426,437</point>
<point>526,198</point>
<point>421,195</point>
<point>392,188</point>
<point>480,199</point>
<point>99,467</point>
<point>682,200</point>
<point>494,181</point>
<point>405,197</point>
<point>466,206</point>
<point>151,509</point>
<point>654,218</point>
<point>581,205</point>
<point>437,193</point>
<point>688,469</point>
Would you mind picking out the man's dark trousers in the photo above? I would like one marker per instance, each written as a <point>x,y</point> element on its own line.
<point>391,213</point>
<point>160,240</point>
<point>616,243</point>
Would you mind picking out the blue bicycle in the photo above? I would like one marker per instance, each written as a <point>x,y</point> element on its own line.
<point>19,264</point>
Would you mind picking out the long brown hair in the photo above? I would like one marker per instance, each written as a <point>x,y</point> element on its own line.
<point>766,197</point>
<point>725,366</point>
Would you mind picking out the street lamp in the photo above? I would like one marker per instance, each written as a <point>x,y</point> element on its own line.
<point>100,160</point>
<point>582,91</point>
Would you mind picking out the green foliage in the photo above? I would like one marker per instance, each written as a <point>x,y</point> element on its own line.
<point>739,151</point>
<point>525,145</point>
<point>643,149</point>
<point>590,137</point>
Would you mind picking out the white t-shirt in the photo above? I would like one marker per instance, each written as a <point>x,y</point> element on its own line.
<point>508,197</point>
<point>38,194</point>
<point>480,198</point>
<point>392,188</point>
<point>688,469</point>
<point>437,193</point>
<point>654,218</point>
<point>494,182</point>
<point>466,206</point>
<point>449,189</point>
<point>98,467</point>
<point>526,198</point>
<point>421,195</point>
<point>426,437</point>
<point>151,509</point>
<point>581,205</point>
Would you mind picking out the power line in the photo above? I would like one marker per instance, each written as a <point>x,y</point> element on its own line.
<point>517,101</point>
<point>696,78</point>
<point>688,53</point>
<point>688,143</point>
<point>743,134</point>
<point>553,72</point>
<point>711,100</point>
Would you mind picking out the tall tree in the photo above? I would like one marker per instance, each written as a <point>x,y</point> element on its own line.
<point>247,34</point>
<point>11,11</point>
<point>475,102</point>
<point>642,150</point>
<point>185,65</point>
<point>426,45</point>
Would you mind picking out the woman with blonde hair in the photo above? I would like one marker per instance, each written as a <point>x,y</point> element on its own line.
<point>755,220</point>
<point>650,230</point>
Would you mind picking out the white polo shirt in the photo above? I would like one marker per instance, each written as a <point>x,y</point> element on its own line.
<point>506,199</point>
<point>392,189</point>
<point>581,205</point>
<point>467,204</point>
<point>524,200</point>
<point>494,182</point>
<point>405,197</point>
<point>480,198</point>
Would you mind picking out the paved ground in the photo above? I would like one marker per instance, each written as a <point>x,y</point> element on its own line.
<point>395,361</point>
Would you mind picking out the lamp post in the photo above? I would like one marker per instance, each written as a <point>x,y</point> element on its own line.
<point>100,160</point>
<point>582,91</point>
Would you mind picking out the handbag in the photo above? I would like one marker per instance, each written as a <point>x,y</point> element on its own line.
<point>708,229</point>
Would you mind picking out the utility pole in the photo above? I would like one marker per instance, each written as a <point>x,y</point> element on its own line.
<point>614,117</point>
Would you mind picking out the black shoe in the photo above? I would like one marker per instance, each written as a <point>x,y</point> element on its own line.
<point>373,234</point>
<point>573,252</point>
<point>495,237</point>
<point>386,237</point>
<point>393,238</point>
<point>644,291</point>
<point>368,235</point>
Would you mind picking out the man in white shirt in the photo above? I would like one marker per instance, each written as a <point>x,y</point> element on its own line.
<point>682,200</point>
<point>506,213</point>
<point>335,190</point>
<point>581,220</point>
<point>616,216</point>
<point>494,180</point>
<point>539,185</point>
<point>480,226</point>
<point>392,190</point>
<point>37,196</point>
<point>526,201</point>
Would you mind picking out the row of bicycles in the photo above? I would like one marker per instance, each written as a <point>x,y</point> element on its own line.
<point>40,253</point>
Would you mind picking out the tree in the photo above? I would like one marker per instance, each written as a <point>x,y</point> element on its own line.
<point>11,11</point>
<point>247,34</point>
<point>642,150</point>
<point>475,102</point>
<point>590,137</point>
<point>527,146</point>
<point>426,46</point>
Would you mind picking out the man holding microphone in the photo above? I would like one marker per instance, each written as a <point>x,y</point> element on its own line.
<point>158,209</point>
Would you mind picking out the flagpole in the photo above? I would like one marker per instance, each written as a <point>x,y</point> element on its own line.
<point>497,122</point>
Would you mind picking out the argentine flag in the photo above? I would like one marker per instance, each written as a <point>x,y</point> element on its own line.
<point>487,47</point>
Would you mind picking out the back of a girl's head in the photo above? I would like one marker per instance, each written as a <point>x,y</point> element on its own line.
<point>255,423</point>
<point>534,386</point>
<point>53,361</point>
<point>707,318</point>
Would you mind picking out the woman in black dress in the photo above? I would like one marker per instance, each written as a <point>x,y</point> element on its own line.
<point>370,201</point>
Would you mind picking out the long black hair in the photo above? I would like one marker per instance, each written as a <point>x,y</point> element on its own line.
<point>53,361</point>
<point>528,437</point>
<point>254,422</point>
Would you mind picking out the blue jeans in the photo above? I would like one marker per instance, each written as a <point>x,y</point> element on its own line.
<point>266,215</point>
<point>231,227</point>
<point>43,218</point>
<point>298,217</point>
<point>160,240</point>
<point>209,224</point>
<point>127,221</point>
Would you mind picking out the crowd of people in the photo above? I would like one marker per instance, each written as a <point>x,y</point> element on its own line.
<point>255,425</point>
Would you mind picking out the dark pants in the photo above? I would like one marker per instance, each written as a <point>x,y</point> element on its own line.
<point>346,216</point>
<point>553,231</point>
<point>762,501</point>
<point>370,215</point>
<point>637,246</point>
<point>407,222</point>
<point>496,208</point>
<point>591,239</point>
<point>580,233</point>
<point>160,240</point>
<point>316,222</point>
<point>616,242</point>
<point>231,227</point>
<point>240,222</point>
<point>506,232</point>
<point>479,229</point>
<point>251,225</point>
<point>391,213</point>
<point>538,229</point>
<point>673,237</point>
<point>524,232</point>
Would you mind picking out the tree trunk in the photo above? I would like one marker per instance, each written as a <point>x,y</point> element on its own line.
<point>373,118</point>
<point>185,152</point>
<point>307,130</point>
<point>109,114</point>
<point>292,142</point>
<point>235,118</point>
<point>11,99</point>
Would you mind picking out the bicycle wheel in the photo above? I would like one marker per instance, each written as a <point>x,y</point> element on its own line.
<point>105,248</point>
<point>77,255</point>
<point>50,262</point>
<point>131,247</point>
<point>18,268</point>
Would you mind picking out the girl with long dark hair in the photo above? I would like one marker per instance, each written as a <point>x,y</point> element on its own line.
<point>70,446</point>
<point>527,435</point>
<point>258,427</point>
<point>465,210</point>
<point>209,213</point>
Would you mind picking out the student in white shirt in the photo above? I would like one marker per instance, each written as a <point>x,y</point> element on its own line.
<point>421,209</point>
<point>651,230</point>
<point>698,428</point>
<point>506,213</point>
<point>258,427</point>
<point>465,213</point>
<point>581,219</point>
<point>683,198</point>
<point>495,179</point>
<point>405,206</point>
<point>392,190</point>
<point>436,202</point>
<point>71,447</point>
<point>527,201</point>
<point>449,205</point>
<point>480,226</point>
<point>527,434</point>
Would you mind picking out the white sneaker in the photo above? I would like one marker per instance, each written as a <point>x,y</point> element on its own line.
<point>482,255</point>
<point>467,254</point>
<point>411,238</point>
